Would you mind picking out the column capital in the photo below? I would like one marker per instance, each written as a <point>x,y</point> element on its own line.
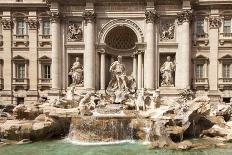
<point>184,16</point>
<point>101,51</point>
<point>214,22</point>
<point>151,16</point>
<point>55,17</point>
<point>33,23</point>
<point>7,23</point>
<point>139,52</point>
<point>89,16</point>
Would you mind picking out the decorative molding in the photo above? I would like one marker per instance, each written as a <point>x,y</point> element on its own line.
<point>151,16</point>
<point>89,16</point>
<point>184,16</point>
<point>214,22</point>
<point>7,24</point>
<point>33,23</point>
<point>120,22</point>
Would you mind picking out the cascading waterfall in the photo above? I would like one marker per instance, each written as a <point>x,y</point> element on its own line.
<point>147,130</point>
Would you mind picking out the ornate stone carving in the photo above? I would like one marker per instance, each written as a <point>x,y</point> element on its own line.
<point>151,16</point>
<point>7,23</point>
<point>120,84</point>
<point>214,22</point>
<point>33,23</point>
<point>184,16</point>
<point>75,32</point>
<point>77,73</point>
<point>167,30</point>
<point>120,22</point>
<point>167,73</point>
<point>54,16</point>
<point>89,16</point>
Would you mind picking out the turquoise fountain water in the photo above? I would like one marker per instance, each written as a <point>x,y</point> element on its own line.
<point>63,147</point>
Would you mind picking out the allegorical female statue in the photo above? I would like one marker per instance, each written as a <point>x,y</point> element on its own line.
<point>77,73</point>
<point>167,71</point>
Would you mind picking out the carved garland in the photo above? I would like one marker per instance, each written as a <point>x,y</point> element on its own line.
<point>214,22</point>
<point>7,24</point>
<point>33,23</point>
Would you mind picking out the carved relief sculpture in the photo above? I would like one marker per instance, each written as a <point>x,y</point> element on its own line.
<point>74,32</point>
<point>167,73</point>
<point>77,73</point>
<point>7,23</point>
<point>167,30</point>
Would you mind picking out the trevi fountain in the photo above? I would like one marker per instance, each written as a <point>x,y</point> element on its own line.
<point>121,120</point>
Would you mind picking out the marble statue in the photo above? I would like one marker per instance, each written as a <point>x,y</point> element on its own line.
<point>140,102</point>
<point>155,103</point>
<point>167,72</point>
<point>120,84</point>
<point>77,73</point>
<point>74,32</point>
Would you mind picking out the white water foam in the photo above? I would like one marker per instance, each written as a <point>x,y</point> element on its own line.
<point>83,143</point>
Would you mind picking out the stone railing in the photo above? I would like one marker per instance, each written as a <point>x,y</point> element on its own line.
<point>45,40</point>
<point>201,83</point>
<point>201,38</point>
<point>202,35</point>
<point>1,83</point>
<point>225,83</point>
<point>225,37</point>
<point>45,83</point>
<point>19,40</point>
<point>22,83</point>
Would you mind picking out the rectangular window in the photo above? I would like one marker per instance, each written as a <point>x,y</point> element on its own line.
<point>46,27</point>
<point>20,71</point>
<point>46,71</point>
<point>226,71</point>
<point>200,26</point>
<point>21,28</point>
<point>227,26</point>
<point>199,71</point>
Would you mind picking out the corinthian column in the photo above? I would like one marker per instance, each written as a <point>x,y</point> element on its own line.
<point>103,70</point>
<point>89,55</point>
<point>214,24</point>
<point>150,53</point>
<point>56,51</point>
<point>182,79</point>
<point>140,70</point>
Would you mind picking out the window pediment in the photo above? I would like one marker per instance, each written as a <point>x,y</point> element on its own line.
<point>201,58</point>
<point>20,59</point>
<point>227,58</point>
<point>45,59</point>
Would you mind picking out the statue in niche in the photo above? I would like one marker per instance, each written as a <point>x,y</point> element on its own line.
<point>120,84</point>
<point>76,72</point>
<point>167,71</point>
<point>74,32</point>
<point>167,31</point>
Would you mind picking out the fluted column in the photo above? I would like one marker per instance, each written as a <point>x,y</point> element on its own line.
<point>89,55</point>
<point>56,51</point>
<point>150,54</point>
<point>182,79</point>
<point>103,71</point>
<point>140,69</point>
<point>214,24</point>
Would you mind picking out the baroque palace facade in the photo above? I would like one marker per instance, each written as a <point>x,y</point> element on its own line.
<point>40,40</point>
